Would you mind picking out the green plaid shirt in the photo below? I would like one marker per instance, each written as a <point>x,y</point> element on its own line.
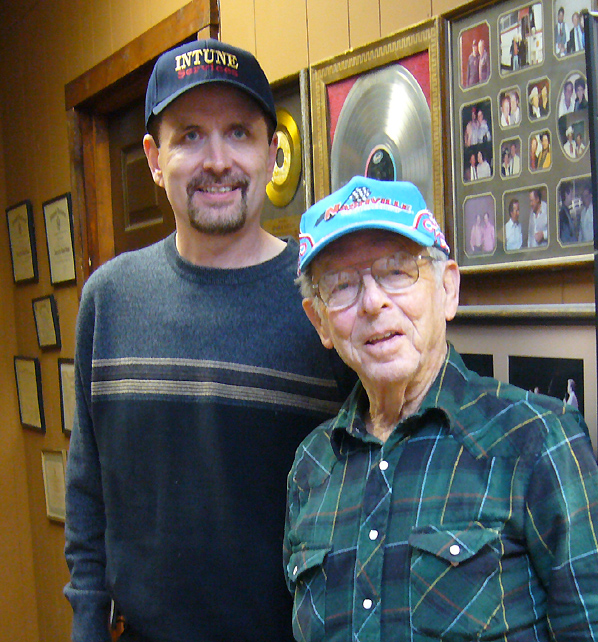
<point>476,520</point>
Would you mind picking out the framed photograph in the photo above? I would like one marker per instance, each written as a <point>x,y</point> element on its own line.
<point>548,349</point>
<point>519,129</point>
<point>47,327</point>
<point>54,470</point>
<point>29,393</point>
<point>376,112</point>
<point>21,235</point>
<point>58,218</point>
<point>66,377</point>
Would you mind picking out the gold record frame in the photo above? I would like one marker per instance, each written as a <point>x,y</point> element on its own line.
<point>286,202</point>
<point>425,36</point>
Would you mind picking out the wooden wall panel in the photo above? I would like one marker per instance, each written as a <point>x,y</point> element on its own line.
<point>281,37</point>
<point>364,22</point>
<point>101,29</point>
<point>328,24</point>
<point>237,19</point>
<point>18,596</point>
<point>399,15</point>
<point>442,6</point>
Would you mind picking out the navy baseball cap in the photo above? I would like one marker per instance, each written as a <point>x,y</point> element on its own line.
<point>364,204</point>
<point>204,61</point>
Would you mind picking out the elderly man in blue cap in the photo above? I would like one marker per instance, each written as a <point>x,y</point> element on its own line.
<point>437,505</point>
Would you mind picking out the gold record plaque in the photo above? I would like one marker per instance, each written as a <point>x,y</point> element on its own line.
<point>287,168</point>
<point>384,131</point>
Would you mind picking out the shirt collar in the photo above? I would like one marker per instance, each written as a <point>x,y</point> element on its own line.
<point>348,430</point>
<point>447,401</point>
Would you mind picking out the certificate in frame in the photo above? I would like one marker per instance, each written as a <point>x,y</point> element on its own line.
<point>21,235</point>
<point>58,218</point>
<point>29,393</point>
<point>526,124</point>
<point>54,471</point>
<point>47,326</point>
<point>416,49</point>
<point>66,377</point>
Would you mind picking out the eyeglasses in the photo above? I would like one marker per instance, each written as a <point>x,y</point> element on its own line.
<point>394,273</point>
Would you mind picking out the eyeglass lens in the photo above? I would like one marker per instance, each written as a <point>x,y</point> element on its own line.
<point>392,273</point>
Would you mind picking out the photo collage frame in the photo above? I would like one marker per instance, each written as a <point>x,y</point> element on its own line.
<point>521,176</point>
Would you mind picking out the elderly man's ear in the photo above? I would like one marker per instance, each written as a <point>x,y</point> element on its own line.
<point>309,305</point>
<point>451,281</point>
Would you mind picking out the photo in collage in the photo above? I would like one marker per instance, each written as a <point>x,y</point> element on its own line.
<point>521,167</point>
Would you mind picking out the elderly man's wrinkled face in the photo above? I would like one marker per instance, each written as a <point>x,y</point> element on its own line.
<point>387,338</point>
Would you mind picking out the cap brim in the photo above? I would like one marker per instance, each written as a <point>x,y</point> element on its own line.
<point>160,107</point>
<point>402,230</point>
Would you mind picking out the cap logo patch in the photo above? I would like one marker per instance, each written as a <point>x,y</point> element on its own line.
<point>364,203</point>
<point>360,194</point>
<point>191,62</point>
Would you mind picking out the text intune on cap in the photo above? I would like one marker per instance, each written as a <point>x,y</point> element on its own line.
<point>206,56</point>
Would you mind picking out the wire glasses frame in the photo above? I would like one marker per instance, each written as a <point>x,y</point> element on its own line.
<point>394,273</point>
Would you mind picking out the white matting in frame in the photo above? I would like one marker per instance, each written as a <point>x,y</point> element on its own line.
<point>53,470</point>
<point>505,341</point>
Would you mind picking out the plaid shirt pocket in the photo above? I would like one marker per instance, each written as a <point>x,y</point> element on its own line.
<point>306,573</point>
<point>454,580</point>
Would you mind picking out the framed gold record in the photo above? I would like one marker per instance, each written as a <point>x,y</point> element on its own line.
<point>290,192</point>
<point>287,170</point>
<point>376,111</point>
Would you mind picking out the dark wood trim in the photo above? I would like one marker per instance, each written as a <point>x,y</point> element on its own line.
<point>187,21</point>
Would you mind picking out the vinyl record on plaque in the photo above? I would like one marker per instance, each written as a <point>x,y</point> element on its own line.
<point>287,168</point>
<point>384,131</point>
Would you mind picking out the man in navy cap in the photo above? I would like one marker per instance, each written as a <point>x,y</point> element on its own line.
<point>437,505</point>
<point>197,375</point>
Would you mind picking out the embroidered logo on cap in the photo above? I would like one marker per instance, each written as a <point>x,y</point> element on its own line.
<point>192,62</point>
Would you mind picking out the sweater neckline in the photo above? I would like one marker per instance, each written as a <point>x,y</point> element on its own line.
<point>204,274</point>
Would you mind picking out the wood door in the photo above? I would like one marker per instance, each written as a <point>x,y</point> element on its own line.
<point>141,213</point>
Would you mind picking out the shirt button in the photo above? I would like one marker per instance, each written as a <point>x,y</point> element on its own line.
<point>373,534</point>
<point>383,465</point>
<point>455,549</point>
<point>367,604</point>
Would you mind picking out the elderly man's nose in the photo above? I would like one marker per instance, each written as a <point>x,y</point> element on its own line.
<point>372,296</point>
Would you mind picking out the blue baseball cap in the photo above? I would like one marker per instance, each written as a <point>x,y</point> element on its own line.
<point>204,61</point>
<point>365,204</point>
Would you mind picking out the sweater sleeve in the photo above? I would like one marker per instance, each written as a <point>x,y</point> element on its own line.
<point>85,515</point>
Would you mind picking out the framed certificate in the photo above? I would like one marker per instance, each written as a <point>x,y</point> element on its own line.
<point>54,469</point>
<point>47,326</point>
<point>66,377</point>
<point>21,234</point>
<point>29,393</point>
<point>58,218</point>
